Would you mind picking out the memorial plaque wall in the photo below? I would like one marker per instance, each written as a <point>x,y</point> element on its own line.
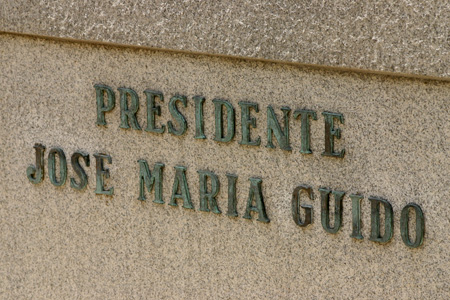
<point>175,171</point>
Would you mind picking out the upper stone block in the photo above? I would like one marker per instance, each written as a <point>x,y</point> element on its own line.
<point>405,37</point>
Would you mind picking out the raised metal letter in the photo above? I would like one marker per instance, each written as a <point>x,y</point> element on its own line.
<point>102,173</point>
<point>36,173</point>
<point>75,160</point>
<point>331,133</point>
<point>232,202</point>
<point>356,217</point>
<point>296,206</point>
<point>180,189</point>
<point>153,110</point>
<point>274,128</point>
<point>420,225</point>
<point>150,180</point>
<point>52,166</point>
<point>177,115</point>
<point>305,131</point>
<point>255,193</point>
<point>375,234</point>
<point>128,112</point>
<point>100,91</point>
<point>210,197</point>
<point>325,209</point>
<point>199,121</point>
<point>246,122</point>
<point>218,115</point>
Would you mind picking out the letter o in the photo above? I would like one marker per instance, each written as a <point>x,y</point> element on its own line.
<point>420,225</point>
<point>52,166</point>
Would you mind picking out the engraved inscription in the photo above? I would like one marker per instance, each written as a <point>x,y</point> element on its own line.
<point>151,180</point>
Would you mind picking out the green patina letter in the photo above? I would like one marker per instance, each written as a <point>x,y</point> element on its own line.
<point>149,180</point>
<point>100,91</point>
<point>331,133</point>
<point>274,128</point>
<point>246,122</point>
<point>420,225</point>
<point>296,206</point>
<point>356,217</point>
<point>35,174</point>
<point>219,104</point>
<point>128,112</point>
<point>325,209</point>
<point>177,115</point>
<point>199,121</point>
<point>75,160</point>
<point>305,128</point>
<point>153,110</point>
<point>232,202</point>
<point>210,197</point>
<point>52,166</point>
<point>180,189</point>
<point>255,194</point>
<point>375,234</point>
<point>102,173</point>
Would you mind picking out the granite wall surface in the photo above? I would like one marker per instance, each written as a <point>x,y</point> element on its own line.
<point>58,242</point>
<point>401,37</point>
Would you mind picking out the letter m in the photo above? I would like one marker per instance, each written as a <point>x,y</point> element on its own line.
<point>150,180</point>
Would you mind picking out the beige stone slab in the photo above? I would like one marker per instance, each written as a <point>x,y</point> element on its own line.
<point>57,242</point>
<point>403,37</point>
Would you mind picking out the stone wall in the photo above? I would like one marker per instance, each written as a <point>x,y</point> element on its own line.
<point>274,63</point>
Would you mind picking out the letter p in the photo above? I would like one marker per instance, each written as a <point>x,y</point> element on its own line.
<point>100,90</point>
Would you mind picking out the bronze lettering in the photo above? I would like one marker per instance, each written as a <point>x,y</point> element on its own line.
<point>255,195</point>
<point>232,201</point>
<point>102,173</point>
<point>128,112</point>
<point>36,173</point>
<point>100,91</point>
<point>219,104</point>
<point>247,122</point>
<point>420,225</point>
<point>375,234</point>
<point>296,206</point>
<point>356,217</point>
<point>274,128</point>
<point>153,110</point>
<point>331,132</point>
<point>305,115</point>
<point>208,199</point>
<point>325,209</point>
<point>180,189</point>
<point>52,166</point>
<point>151,180</point>
<point>179,118</point>
<point>78,169</point>
<point>199,120</point>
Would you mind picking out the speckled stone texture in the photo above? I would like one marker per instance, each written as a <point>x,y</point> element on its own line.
<point>408,36</point>
<point>59,243</point>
